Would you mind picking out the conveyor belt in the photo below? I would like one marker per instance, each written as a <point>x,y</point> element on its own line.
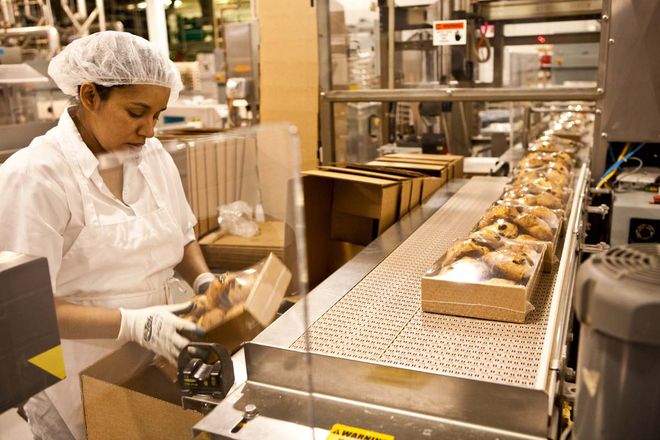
<point>380,319</point>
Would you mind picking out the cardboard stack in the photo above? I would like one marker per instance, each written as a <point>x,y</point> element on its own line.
<point>212,168</point>
<point>348,206</point>
<point>230,252</point>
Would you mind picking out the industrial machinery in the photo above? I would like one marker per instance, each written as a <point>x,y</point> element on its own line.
<point>358,352</point>
<point>503,49</point>
<point>617,301</point>
<point>204,370</point>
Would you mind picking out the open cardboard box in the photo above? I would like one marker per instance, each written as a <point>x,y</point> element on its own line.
<point>407,193</point>
<point>479,299</point>
<point>453,162</point>
<point>362,207</point>
<point>425,184</point>
<point>430,169</point>
<point>133,403</point>
<point>245,321</point>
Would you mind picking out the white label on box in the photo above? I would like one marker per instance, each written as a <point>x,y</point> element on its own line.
<point>449,32</point>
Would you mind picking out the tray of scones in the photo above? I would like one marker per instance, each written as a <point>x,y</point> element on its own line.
<point>484,276</point>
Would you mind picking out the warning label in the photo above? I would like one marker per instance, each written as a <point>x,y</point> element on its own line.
<point>449,32</point>
<point>344,432</point>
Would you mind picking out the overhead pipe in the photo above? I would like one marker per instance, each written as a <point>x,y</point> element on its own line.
<point>49,31</point>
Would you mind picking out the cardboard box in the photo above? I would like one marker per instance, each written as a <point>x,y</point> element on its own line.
<point>406,184</point>
<point>477,299</point>
<point>342,252</point>
<point>429,169</point>
<point>362,207</point>
<point>133,403</point>
<point>230,252</point>
<point>415,178</point>
<point>453,161</point>
<point>144,402</point>
<point>245,321</point>
<point>429,186</point>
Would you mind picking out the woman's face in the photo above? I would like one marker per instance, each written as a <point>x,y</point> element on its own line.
<point>127,116</point>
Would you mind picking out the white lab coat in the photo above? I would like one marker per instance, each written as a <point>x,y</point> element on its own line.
<point>100,251</point>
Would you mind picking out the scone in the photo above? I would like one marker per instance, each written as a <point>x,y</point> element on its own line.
<point>465,248</point>
<point>511,264</point>
<point>466,270</point>
<point>506,212</point>
<point>504,228</point>
<point>534,226</point>
<point>487,237</point>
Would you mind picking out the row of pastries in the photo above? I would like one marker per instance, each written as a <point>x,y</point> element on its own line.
<point>509,240</point>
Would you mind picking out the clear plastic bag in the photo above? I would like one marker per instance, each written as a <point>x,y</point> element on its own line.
<point>229,290</point>
<point>237,218</point>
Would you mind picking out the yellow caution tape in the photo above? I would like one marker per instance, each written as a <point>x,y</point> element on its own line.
<point>51,361</point>
<point>343,432</point>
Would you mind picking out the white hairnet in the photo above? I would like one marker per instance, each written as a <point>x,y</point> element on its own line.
<point>113,58</point>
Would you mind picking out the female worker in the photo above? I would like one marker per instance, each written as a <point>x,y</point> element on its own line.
<point>111,255</point>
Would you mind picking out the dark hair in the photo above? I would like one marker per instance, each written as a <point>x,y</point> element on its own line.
<point>103,91</point>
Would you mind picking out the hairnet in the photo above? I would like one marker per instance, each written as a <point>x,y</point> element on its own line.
<point>113,58</point>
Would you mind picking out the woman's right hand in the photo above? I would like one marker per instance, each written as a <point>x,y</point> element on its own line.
<point>157,328</point>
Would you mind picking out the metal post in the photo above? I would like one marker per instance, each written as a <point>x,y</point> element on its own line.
<point>498,55</point>
<point>81,6</point>
<point>101,11</point>
<point>326,108</point>
<point>600,144</point>
<point>157,25</point>
<point>7,12</point>
<point>390,44</point>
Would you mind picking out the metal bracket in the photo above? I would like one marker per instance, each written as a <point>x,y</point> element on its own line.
<point>569,391</point>
<point>594,190</point>
<point>594,248</point>
<point>602,209</point>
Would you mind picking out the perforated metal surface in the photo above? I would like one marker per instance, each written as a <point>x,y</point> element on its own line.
<point>380,319</point>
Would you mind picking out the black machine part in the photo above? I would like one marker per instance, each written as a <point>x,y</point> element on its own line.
<point>205,368</point>
<point>29,330</point>
<point>618,372</point>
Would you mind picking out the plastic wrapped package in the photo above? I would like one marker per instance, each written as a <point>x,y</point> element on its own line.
<point>256,291</point>
<point>533,194</point>
<point>560,160</point>
<point>569,125</point>
<point>485,276</point>
<point>549,177</point>
<point>520,223</point>
<point>549,143</point>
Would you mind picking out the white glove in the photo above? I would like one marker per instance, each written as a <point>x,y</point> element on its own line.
<point>155,328</point>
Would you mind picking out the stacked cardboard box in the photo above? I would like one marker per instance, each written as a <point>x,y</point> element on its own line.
<point>453,162</point>
<point>211,169</point>
<point>348,206</point>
